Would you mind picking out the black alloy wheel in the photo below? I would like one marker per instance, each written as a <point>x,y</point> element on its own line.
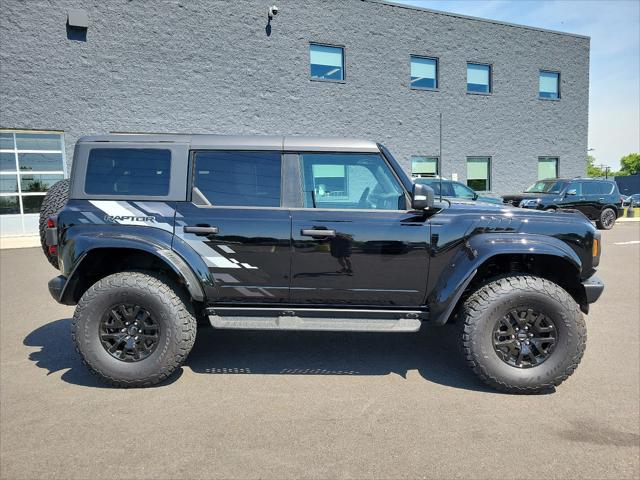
<point>524,337</point>
<point>129,332</point>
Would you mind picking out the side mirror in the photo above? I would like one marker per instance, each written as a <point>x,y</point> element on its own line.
<point>475,196</point>
<point>422,197</point>
<point>573,191</point>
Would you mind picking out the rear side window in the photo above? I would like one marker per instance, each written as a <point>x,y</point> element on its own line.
<point>589,188</point>
<point>597,188</point>
<point>236,178</point>
<point>128,171</point>
<point>605,188</point>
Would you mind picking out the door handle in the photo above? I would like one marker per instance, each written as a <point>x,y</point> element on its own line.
<point>317,232</point>
<point>201,230</point>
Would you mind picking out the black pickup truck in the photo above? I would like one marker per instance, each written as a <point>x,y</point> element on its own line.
<point>155,234</point>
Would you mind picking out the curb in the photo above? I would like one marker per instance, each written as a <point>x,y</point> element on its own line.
<point>30,241</point>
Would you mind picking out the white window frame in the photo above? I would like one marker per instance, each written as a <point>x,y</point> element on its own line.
<point>17,172</point>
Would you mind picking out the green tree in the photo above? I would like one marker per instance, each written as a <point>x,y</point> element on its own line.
<point>630,164</point>
<point>592,169</point>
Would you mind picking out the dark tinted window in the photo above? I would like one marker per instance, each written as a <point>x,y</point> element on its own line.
<point>591,188</point>
<point>605,188</point>
<point>128,171</point>
<point>243,179</point>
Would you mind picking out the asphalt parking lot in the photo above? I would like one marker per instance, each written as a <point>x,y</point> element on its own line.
<point>315,405</point>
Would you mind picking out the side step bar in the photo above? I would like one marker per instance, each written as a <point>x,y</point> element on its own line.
<point>316,320</point>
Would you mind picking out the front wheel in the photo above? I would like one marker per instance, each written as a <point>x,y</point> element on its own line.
<point>522,334</point>
<point>133,329</point>
<point>607,219</point>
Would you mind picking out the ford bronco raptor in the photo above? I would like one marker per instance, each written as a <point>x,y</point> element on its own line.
<point>154,234</point>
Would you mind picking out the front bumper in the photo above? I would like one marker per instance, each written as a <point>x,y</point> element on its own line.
<point>593,288</point>
<point>56,286</point>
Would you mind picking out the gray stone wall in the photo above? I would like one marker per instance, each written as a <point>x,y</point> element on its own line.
<point>213,66</point>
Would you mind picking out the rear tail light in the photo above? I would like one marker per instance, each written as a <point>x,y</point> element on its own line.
<point>51,236</point>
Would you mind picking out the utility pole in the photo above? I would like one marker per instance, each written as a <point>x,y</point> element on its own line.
<point>606,169</point>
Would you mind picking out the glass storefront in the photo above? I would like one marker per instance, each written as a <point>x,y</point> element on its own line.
<point>30,163</point>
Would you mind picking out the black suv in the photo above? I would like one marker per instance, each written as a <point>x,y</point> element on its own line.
<point>154,234</point>
<point>599,200</point>
<point>453,189</point>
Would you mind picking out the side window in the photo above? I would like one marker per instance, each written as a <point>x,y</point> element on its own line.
<point>349,181</point>
<point>461,191</point>
<point>128,171</point>
<point>605,188</point>
<point>447,189</point>
<point>238,178</point>
<point>577,186</point>
<point>590,188</point>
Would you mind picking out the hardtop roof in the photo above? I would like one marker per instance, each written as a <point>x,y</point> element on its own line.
<point>242,142</point>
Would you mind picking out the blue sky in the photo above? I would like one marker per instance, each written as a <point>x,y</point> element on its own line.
<point>614,28</point>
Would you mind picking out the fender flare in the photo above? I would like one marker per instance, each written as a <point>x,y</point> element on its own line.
<point>479,249</point>
<point>84,245</point>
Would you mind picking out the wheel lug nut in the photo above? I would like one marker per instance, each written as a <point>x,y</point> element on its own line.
<point>513,336</point>
<point>527,327</point>
<point>123,330</point>
<point>531,334</point>
<point>527,342</point>
<point>517,329</point>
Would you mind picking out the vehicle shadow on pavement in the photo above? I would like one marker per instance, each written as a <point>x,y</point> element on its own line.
<point>57,353</point>
<point>433,352</point>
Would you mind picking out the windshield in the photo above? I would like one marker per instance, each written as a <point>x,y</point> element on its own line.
<point>546,186</point>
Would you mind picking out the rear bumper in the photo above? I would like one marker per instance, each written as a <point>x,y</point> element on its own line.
<point>56,286</point>
<point>593,288</point>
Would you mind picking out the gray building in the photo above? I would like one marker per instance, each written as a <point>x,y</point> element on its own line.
<point>514,99</point>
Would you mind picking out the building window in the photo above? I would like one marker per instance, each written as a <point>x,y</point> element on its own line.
<point>549,85</point>
<point>30,163</point>
<point>479,173</point>
<point>424,72</point>
<point>478,78</point>
<point>424,166</point>
<point>547,167</point>
<point>327,62</point>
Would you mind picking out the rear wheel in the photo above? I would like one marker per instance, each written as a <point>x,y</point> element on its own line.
<point>522,334</point>
<point>607,219</point>
<point>133,329</point>
<point>54,201</point>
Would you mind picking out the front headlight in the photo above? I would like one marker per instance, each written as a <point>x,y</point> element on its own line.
<point>528,203</point>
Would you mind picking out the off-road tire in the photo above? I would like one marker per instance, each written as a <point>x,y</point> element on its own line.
<point>607,219</point>
<point>54,201</point>
<point>491,302</point>
<point>154,292</point>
